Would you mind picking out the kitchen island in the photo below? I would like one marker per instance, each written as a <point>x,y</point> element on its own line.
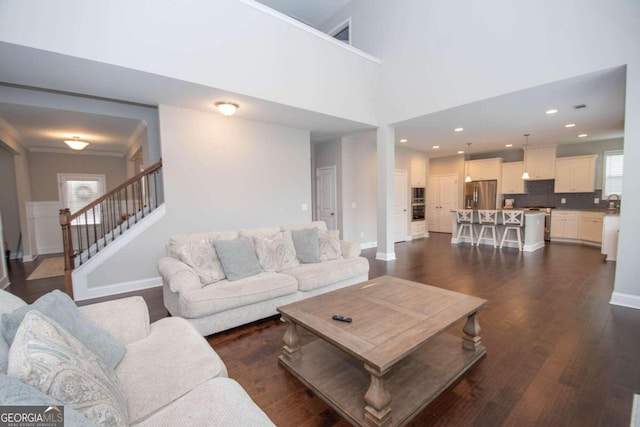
<point>532,232</point>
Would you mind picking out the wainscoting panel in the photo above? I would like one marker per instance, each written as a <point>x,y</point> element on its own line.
<point>44,223</point>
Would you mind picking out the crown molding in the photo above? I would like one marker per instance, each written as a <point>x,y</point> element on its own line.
<point>4,125</point>
<point>137,132</point>
<point>80,153</point>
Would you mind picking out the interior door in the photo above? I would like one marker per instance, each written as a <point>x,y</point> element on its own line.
<point>400,218</point>
<point>326,196</point>
<point>448,201</point>
<point>433,205</point>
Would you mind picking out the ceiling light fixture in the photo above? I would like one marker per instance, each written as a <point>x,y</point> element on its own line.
<point>466,164</point>
<point>509,145</point>
<point>552,111</point>
<point>461,152</point>
<point>76,144</point>
<point>227,108</point>
<point>403,140</point>
<point>525,174</point>
<point>582,135</point>
<point>435,147</point>
<point>458,129</point>
<point>570,125</point>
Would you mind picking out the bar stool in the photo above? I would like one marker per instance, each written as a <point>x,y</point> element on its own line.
<point>488,219</point>
<point>512,220</point>
<point>464,218</point>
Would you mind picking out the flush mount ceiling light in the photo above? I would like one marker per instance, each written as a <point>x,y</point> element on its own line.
<point>458,129</point>
<point>552,111</point>
<point>466,164</point>
<point>583,135</point>
<point>76,144</point>
<point>570,125</point>
<point>226,108</point>
<point>525,174</point>
<point>461,152</point>
<point>403,140</point>
<point>435,147</point>
<point>508,145</point>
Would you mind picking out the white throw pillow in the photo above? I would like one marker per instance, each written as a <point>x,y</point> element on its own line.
<point>203,258</point>
<point>329,245</point>
<point>47,357</point>
<point>276,252</point>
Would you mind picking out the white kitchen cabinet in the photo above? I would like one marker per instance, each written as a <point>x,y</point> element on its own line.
<point>610,231</point>
<point>484,169</point>
<point>591,227</point>
<point>418,229</point>
<point>575,174</point>
<point>418,173</point>
<point>442,198</point>
<point>512,182</point>
<point>540,163</point>
<point>565,225</point>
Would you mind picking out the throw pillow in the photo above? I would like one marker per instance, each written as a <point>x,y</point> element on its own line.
<point>237,258</point>
<point>329,245</point>
<point>58,306</point>
<point>14,392</point>
<point>307,245</point>
<point>202,257</point>
<point>276,252</point>
<point>45,356</point>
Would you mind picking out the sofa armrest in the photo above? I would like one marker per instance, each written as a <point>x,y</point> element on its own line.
<point>350,249</point>
<point>127,319</point>
<point>178,275</point>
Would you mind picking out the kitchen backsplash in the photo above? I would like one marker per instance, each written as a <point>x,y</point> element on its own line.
<point>540,193</point>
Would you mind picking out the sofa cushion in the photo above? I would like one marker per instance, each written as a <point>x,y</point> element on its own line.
<point>45,356</point>
<point>169,363</point>
<point>237,257</point>
<point>203,258</point>
<point>307,245</point>
<point>276,252</point>
<point>59,307</point>
<point>226,295</point>
<point>220,402</point>
<point>320,225</point>
<point>329,245</point>
<point>315,276</point>
<point>14,392</point>
<point>180,239</point>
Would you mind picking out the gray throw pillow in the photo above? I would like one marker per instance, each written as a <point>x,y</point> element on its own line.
<point>307,245</point>
<point>59,307</point>
<point>14,392</point>
<point>237,258</point>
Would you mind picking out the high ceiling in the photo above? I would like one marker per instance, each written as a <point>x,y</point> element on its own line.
<point>311,12</point>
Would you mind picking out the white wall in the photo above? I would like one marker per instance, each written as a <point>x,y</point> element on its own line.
<point>220,174</point>
<point>223,44</point>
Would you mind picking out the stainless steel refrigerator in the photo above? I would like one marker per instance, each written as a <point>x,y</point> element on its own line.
<point>480,194</point>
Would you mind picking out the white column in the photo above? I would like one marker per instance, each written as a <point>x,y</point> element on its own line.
<point>385,139</point>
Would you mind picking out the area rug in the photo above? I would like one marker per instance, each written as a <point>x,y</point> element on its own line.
<point>50,267</point>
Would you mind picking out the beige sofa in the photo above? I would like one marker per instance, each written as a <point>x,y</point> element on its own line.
<point>169,375</point>
<point>226,304</point>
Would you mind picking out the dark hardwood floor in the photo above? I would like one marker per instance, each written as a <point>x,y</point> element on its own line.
<point>558,354</point>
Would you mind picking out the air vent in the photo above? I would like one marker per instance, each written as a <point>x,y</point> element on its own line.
<point>579,106</point>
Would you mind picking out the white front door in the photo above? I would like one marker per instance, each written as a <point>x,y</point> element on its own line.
<point>400,197</point>
<point>326,196</point>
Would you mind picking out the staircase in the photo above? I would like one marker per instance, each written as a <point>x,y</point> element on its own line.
<point>88,231</point>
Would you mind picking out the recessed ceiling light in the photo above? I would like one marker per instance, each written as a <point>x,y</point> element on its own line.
<point>552,111</point>
<point>458,129</point>
<point>570,125</point>
<point>509,145</point>
<point>403,140</point>
<point>436,147</point>
<point>582,135</point>
<point>461,152</point>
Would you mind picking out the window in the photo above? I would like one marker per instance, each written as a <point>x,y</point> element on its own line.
<point>342,32</point>
<point>77,191</point>
<point>612,173</point>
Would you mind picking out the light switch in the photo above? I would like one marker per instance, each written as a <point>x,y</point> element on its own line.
<point>596,201</point>
<point>563,200</point>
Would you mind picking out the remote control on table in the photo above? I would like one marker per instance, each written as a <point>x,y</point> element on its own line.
<point>341,318</point>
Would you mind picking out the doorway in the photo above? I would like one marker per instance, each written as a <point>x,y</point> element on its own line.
<point>326,196</point>
<point>400,203</point>
<point>442,199</point>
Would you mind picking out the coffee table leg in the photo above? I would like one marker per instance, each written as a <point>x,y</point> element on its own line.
<point>471,338</point>
<point>291,348</point>
<point>377,412</point>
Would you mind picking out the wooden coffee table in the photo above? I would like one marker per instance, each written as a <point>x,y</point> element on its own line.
<point>393,359</point>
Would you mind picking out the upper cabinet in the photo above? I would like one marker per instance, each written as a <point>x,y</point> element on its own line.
<point>512,182</point>
<point>541,163</point>
<point>575,174</point>
<point>480,170</point>
<point>418,173</point>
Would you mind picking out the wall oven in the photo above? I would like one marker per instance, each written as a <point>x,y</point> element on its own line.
<point>417,212</point>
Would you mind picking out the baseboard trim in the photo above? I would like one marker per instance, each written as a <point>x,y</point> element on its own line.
<point>533,247</point>
<point>4,282</point>
<point>386,256</point>
<point>29,258</point>
<point>368,245</point>
<point>625,300</point>
<point>117,288</point>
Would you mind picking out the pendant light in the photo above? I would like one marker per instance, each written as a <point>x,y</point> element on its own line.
<point>525,174</point>
<point>466,164</point>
